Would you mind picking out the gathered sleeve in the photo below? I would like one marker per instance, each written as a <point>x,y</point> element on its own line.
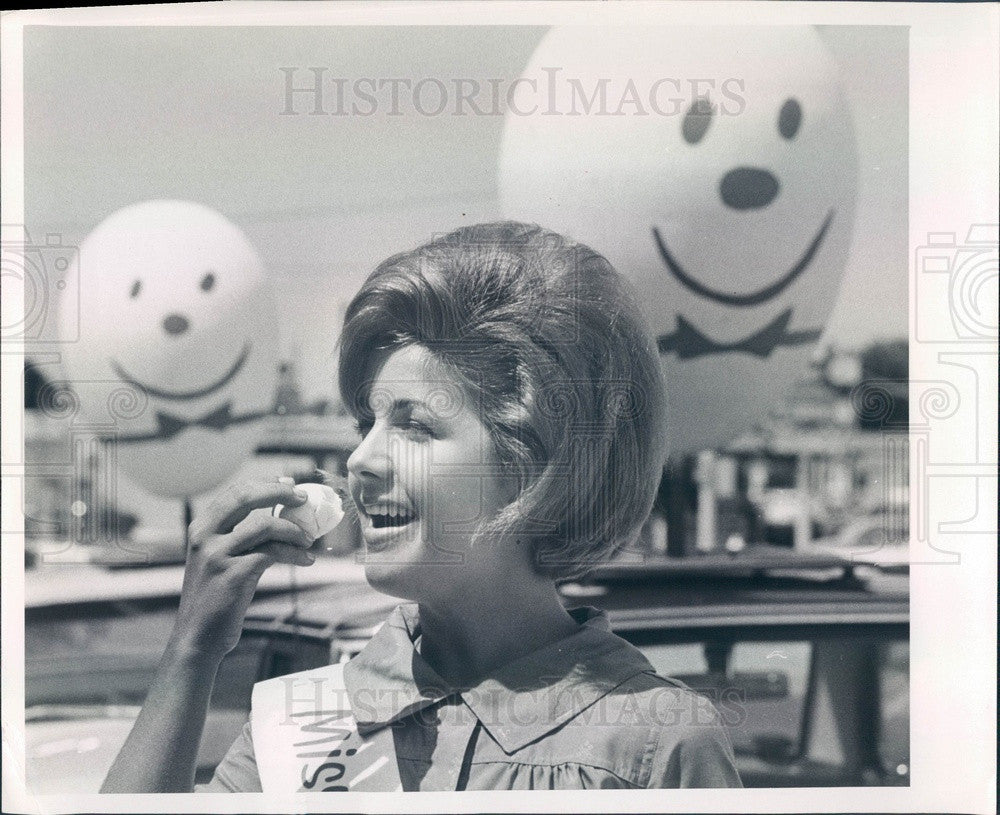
<point>698,755</point>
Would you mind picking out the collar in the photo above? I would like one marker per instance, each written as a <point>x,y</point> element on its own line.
<point>517,703</point>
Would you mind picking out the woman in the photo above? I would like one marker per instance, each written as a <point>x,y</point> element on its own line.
<point>511,409</point>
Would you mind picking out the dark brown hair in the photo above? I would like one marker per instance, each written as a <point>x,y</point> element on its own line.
<point>548,342</point>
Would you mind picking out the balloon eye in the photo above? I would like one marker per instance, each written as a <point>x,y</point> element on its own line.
<point>136,288</point>
<point>790,118</point>
<point>697,120</point>
<point>207,281</point>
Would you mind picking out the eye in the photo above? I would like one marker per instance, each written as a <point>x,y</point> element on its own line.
<point>697,120</point>
<point>136,288</point>
<point>208,281</point>
<point>416,429</point>
<point>790,118</point>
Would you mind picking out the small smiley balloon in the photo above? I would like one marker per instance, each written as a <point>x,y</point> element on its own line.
<point>178,344</point>
<point>716,168</point>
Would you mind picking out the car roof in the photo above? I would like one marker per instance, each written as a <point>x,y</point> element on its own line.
<point>336,607</point>
<point>759,559</point>
<point>768,589</point>
<point>761,585</point>
<point>74,584</point>
<point>698,601</point>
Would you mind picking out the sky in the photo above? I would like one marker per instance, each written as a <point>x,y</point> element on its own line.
<point>118,116</point>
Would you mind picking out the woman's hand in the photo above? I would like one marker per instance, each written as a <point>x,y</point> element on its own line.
<point>231,544</point>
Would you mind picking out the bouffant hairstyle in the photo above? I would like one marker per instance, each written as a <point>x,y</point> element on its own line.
<point>548,343</point>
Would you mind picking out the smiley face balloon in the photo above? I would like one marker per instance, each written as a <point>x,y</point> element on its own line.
<point>178,344</point>
<point>716,168</point>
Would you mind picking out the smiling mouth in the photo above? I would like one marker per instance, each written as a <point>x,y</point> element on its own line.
<point>383,521</point>
<point>383,531</point>
<point>192,394</point>
<point>739,300</point>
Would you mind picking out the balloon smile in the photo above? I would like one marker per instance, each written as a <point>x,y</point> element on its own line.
<point>738,300</point>
<point>192,394</point>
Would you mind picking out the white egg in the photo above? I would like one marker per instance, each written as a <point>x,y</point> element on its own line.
<point>319,514</point>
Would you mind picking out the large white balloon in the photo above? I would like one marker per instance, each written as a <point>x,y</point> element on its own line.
<point>177,355</point>
<point>715,167</point>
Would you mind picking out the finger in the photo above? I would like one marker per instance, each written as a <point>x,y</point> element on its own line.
<point>273,552</point>
<point>238,500</point>
<point>259,528</point>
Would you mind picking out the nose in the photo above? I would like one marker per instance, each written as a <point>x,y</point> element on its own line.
<point>370,459</point>
<point>175,324</point>
<point>748,188</point>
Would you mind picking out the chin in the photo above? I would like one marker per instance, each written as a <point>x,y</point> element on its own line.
<point>416,581</point>
<point>389,578</point>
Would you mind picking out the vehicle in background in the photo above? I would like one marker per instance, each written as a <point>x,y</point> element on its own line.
<point>880,535</point>
<point>805,657</point>
<point>878,538</point>
<point>94,637</point>
<point>780,509</point>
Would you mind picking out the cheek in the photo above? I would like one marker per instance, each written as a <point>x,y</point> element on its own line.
<point>457,501</point>
<point>413,470</point>
<point>455,493</point>
<point>454,481</point>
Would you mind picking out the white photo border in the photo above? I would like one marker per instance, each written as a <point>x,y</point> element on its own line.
<point>953,182</point>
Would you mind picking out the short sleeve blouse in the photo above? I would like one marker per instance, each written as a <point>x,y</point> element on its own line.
<point>586,712</point>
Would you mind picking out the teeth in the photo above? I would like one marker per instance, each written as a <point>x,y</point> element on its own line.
<point>394,512</point>
<point>388,515</point>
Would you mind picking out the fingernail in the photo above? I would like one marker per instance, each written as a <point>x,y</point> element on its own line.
<point>301,494</point>
<point>285,479</point>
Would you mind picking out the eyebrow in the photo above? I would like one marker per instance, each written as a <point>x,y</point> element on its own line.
<point>400,404</point>
<point>406,404</point>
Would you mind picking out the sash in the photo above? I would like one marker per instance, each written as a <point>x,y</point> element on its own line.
<point>306,739</point>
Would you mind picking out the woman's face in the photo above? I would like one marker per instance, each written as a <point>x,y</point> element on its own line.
<point>424,476</point>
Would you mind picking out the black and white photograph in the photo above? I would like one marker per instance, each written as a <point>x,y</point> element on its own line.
<point>498,402</point>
